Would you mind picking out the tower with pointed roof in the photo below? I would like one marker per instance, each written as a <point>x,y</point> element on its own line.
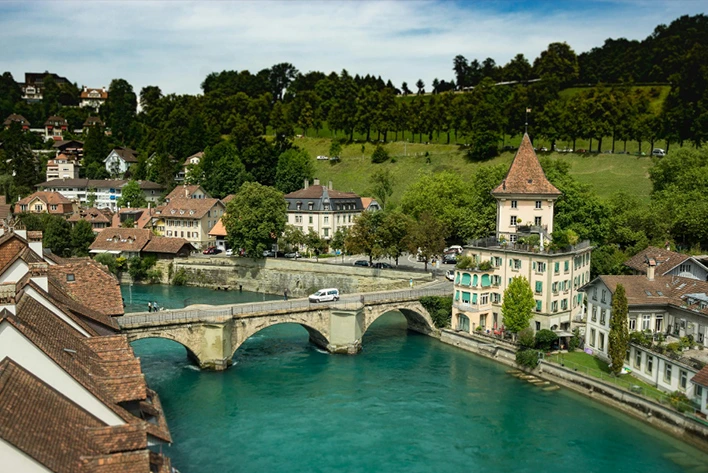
<point>523,246</point>
<point>525,197</point>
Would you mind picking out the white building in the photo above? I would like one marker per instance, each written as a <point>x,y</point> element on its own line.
<point>103,192</point>
<point>119,160</point>
<point>522,246</point>
<point>93,98</point>
<point>62,167</point>
<point>323,209</point>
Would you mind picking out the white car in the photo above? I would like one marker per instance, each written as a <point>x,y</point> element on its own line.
<point>230,252</point>
<point>325,295</point>
<point>322,158</point>
<point>450,275</point>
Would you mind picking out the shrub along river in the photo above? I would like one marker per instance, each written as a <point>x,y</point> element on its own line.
<point>406,403</point>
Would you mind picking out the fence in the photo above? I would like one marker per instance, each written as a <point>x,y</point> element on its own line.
<point>350,302</point>
<point>632,384</point>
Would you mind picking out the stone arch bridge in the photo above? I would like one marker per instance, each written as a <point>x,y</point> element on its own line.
<point>212,334</point>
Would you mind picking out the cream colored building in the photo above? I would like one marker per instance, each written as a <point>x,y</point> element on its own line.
<point>190,219</point>
<point>522,246</point>
<point>62,167</point>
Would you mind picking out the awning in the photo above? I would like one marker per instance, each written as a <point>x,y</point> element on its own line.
<point>563,333</point>
<point>113,252</point>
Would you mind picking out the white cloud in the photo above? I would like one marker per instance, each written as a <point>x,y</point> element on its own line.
<point>175,44</point>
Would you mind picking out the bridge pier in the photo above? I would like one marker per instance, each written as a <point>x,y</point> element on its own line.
<point>345,331</point>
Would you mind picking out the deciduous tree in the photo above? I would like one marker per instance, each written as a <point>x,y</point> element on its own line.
<point>294,166</point>
<point>426,236</point>
<point>619,331</point>
<point>132,196</point>
<point>517,305</point>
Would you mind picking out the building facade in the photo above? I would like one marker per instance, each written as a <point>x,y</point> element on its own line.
<point>119,160</point>
<point>99,193</point>
<point>522,246</point>
<point>55,127</point>
<point>62,167</point>
<point>93,98</point>
<point>191,219</point>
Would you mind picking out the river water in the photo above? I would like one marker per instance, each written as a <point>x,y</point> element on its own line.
<point>406,403</point>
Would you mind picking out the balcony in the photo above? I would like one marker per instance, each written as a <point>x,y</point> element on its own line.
<point>494,244</point>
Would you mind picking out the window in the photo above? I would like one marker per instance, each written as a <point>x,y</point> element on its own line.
<point>638,359</point>
<point>592,337</point>
<point>465,297</point>
<point>310,206</point>
<point>684,268</point>
<point>564,304</point>
<point>603,316</point>
<point>698,391</point>
<point>554,288</point>
<point>594,293</point>
<point>517,264</point>
<point>512,238</point>
<point>484,299</point>
<point>539,287</point>
<point>326,220</point>
<point>70,277</point>
<point>496,298</point>
<point>650,364</point>
<point>537,221</point>
<point>632,324</point>
<point>512,220</point>
<point>514,204</point>
<point>538,305</point>
<point>538,326</point>
<point>646,320</point>
<point>538,204</point>
<point>659,322</point>
<point>566,266</point>
<point>299,206</point>
<point>601,342</point>
<point>466,279</point>
<point>556,268</point>
<point>683,380</point>
<point>667,373</point>
<point>594,313</point>
<point>554,306</point>
<point>463,323</point>
<point>326,232</point>
<point>53,207</point>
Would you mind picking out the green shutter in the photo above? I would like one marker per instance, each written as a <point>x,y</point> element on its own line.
<point>566,265</point>
<point>466,279</point>
<point>474,297</point>
<point>557,268</point>
<point>485,280</point>
<point>457,295</point>
<point>466,297</point>
<point>474,280</point>
<point>457,278</point>
<point>539,286</point>
<point>538,305</point>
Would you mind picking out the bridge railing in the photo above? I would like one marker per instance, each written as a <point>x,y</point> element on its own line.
<point>347,302</point>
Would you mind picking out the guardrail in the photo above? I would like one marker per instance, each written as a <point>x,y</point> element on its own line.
<point>348,302</point>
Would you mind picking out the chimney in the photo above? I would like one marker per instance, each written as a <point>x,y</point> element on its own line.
<point>317,182</point>
<point>329,185</point>
<point>650,269</point>
<point>35,242</point>
<point>307,184</point>
<point>38,275</point>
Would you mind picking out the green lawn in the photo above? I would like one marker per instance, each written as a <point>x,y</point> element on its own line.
<point>605,172</point>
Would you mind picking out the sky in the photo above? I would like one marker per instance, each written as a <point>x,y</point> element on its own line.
<point>176,44</point>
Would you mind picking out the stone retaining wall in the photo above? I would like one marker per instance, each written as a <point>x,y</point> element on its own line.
<point>274,275</point>
<point>653,413</point>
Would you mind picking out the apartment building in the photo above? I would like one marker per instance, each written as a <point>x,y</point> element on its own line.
<point>99,193</point>
<point>62,167</point>
<point>190,219</point>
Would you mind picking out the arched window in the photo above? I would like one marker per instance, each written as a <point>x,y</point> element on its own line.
<point>485,280</point>
<point>474,280</point>
<point>466,279</point>
<point>457,276</point>
<point>463,323</point>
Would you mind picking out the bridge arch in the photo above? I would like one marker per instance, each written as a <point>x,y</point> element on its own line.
<point>416,315</point>
<point>192,351</point>
<point>317,328</point>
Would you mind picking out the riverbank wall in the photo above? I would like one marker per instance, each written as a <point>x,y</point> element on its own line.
<point>688,429</point>
<point>300,278</point>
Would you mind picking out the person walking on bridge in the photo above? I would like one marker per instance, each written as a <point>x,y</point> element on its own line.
<point>285,294</point>
<point>149,306</point>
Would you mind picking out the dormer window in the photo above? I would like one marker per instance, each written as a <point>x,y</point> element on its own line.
<point>310,206</point>
<point>172,211</point>
<point>299,206</point>
<point>70,277</point>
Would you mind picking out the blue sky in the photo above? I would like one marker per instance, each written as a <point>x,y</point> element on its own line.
<point>176,44</point>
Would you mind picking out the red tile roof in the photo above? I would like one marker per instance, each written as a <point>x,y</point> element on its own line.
<point>169,245</point>
<point>64,205</point>
<point>184,192</point>
<point>666,260</point>
<point>701,377</point>
<point>218,229</point>
<point>525,174</point>
<point>121,239</point>
<point>190,208</point>
<point>91,285</point>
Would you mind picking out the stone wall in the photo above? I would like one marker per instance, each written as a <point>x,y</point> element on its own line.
<point>301,278</point>
<point>657,415</point>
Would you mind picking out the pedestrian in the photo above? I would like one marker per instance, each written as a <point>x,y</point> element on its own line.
<point>155,307</point>
<point>411,283</point>
<point>240,288</point>
<point>149,306</point>
<point>285,294</point>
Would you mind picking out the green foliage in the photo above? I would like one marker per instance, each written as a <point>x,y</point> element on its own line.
<point>574,342</point>
<point>641,339</point>
<point>485,266</point>
<point>527,338</point>
<point>81,238</point>
<point>380,155</point>
<point>518,304</point>
<point>139,268</point>
<point>57,235</point>
<point>315,243</point>
<point>154,276</point>
<point>254,218</point>
<point>180,277</point>
<point>363,236</point>
<point>335,149</point>
<point>120,108</point>
<point>293,237</point>
<point>128,223</point>
<point>294,166</point>
<point>109,260</point>
<point>221,171</point>
<point>619,332</point>
<point>132,196</point>
<point>528,358</point>
<point>339,238</point>
<point>439,308</point>
<point>382,182</point>
<point>544,339</point>
<point>465,262</point>
<point>426,236</point>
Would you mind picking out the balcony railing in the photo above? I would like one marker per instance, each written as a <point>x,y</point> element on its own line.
<point>494,243</point>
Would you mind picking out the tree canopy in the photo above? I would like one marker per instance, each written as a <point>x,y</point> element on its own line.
<point>517,305</point>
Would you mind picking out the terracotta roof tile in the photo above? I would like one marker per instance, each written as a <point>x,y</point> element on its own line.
<point>218,229</point>
<point>525,174</point>
<point>190,208</point>
<point>665,259</point>
<point>701,377</point>
<point>169,245</point>
<point>64,205</point>
<point>13,117</point>
<point>55,120</point>
<point>92,285</point>
<point>121,239</point>
<point>184,192</point>
<point>228,199</point>
<point>92,215</point>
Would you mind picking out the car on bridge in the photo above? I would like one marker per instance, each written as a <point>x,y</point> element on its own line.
<point>325,295</point>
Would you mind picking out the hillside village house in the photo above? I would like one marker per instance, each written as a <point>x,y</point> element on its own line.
<point>189,163</point>
<point>525,200</point>
<point>62,167</point>
<point>33,86</point>
<point>672,306</point>
<point>130,242</point>
<point>72,149</point>
<point>323,209</point>
<point>16,118</point>
<point>668,263</point>
<point>66,372</point>
<point>99,219</point>
<point>104,192</point>
<point>190,219</point>
<point>93,98</point>
<point>42,202</point>
<point>119,160</point>
<point>93,121</point>
<point>142,218</point>
<point>187,192</point>
<point>55,127</point>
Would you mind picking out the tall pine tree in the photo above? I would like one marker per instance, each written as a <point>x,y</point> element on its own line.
<point>619,331</point>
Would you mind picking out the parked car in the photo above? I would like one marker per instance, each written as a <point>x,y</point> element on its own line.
<point>449,259</point>
<point>211,250</point>
<point>294,254</point>
<point>658,152</point>
<point>325,295</point>
<point>454,249</point>
<point>322,158</point>
<point>269,254</point>
<point>381,265</point>
<point>361,262</point>
<point>450,275</point>
<point>230,252</point>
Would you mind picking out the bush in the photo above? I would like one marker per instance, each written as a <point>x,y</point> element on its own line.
<point>528,358</point>
<point>526,338</point>
<point>485,265</point>
<point>574,341</point>
<point>464,262</point>
<point>439,308</point>
<point>545,338</point>
<point>154,276</point>
<point>109,260</point>
<point>138,267</point>
<point>180,277</point>
<point>674,347</point>
<point>680,401</point>
<point>380,155</point>
<point>641,339</point>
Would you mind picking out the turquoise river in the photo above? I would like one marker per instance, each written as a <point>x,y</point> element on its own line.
<point>406,403</point>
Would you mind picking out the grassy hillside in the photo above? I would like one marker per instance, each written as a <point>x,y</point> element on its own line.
<point>605,172</point>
